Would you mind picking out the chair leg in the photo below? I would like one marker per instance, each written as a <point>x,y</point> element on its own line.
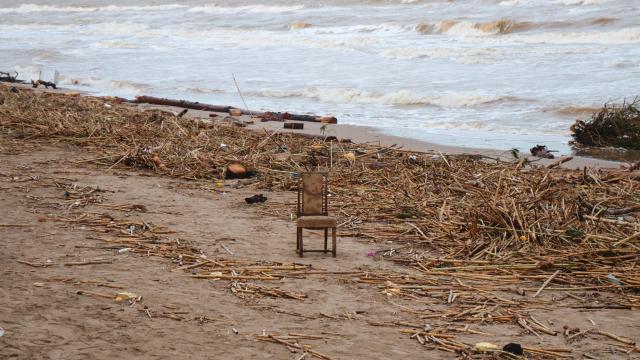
<point>333,237</point>
<point>297,239</point>
<point>301,249</point>
<point>326,235</point>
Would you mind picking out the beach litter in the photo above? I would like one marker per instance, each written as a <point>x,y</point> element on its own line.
<point>541,151</point>
<point>127,298</point>
<point>513,348</point>
<point>474,233</point>
<point>259,198</point>
<point>46,84</point>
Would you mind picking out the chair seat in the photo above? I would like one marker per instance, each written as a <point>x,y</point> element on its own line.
<point>316,222</point>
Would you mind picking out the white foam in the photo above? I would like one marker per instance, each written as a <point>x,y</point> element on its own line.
<point>116,44</point>
<point>104,84</point>
<point>216,9</point>
<point>28,72</point>
<point>463,28</point>
<point>203,90</point>
<point>546,2</point>
<point>35,8</point>
<point>580,2</point>
<point>459,55</point>
<point>397,98</point>
<point>622,36</point>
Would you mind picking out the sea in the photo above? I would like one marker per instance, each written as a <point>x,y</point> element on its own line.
<point>496,74</point>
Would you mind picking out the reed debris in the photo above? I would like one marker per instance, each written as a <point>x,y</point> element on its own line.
<point>615,125</point>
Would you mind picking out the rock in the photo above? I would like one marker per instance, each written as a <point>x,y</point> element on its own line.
<point>513,348</point>
<point>256,199</point>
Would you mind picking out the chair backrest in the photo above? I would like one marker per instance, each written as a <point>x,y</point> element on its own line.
<point>312,194</point>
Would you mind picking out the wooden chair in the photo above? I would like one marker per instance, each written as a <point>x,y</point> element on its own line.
<point>313,211</point>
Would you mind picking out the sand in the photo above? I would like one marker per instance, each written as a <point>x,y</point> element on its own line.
<point>43,316</point>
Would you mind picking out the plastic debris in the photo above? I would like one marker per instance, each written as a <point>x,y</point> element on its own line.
<point>2,332</point>
<point>486,347</point>
<point>371,253</point>
<point>350,156</point>
<point>614,279</point>
<point>127,297</point>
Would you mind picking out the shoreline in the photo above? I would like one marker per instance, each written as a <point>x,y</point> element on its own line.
<point>372,135</point>
<point>367,134</point>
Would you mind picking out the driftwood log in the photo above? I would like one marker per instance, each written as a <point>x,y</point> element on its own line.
<point>7,77</point>
<point>228,109</point>
<point>181,103</point>
<point>294,125</point>
<point>47,84</point>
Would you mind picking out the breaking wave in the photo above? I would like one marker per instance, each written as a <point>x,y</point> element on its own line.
<point>622,36</point>
<point>34,8</point>
<point>580,2</point>
<point>203,90</point>
<point>299,25</point>
<point>497,27</point>
<point>92,82</point>
<point>603,21</point>
<point>574,110</point>
<point>502,26</point>
<point>215,9</point>
<point>396,98</point>
<point>561,2</point>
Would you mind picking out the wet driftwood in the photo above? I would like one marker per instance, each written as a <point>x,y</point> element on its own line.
<point>230,109</point>
<point>46,84</point>
<point>7,77</point>
<point>181,103</point>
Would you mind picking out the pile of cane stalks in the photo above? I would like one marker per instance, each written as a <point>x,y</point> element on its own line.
<point>465,224</point>
<point>615,125</point>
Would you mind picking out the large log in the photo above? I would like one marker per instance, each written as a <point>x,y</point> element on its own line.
<point>228,109</point>
<point>181,103</point>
